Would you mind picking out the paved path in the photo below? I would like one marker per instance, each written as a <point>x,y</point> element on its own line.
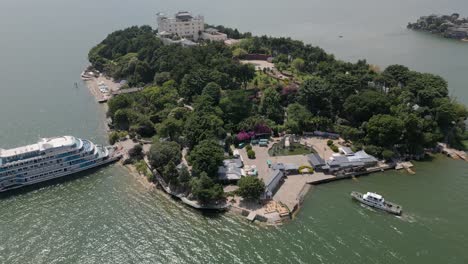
<point>320,145</point>
<point>318,177</point>
<point>289,192</point>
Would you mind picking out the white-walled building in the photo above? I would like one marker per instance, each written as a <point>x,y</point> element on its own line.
<point>183,24</point>
<point>213,35</point>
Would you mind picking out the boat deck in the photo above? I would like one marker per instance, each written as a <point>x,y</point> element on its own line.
<point>389,206</point>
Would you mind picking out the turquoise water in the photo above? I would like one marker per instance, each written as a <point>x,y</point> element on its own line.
<point>107,216</point>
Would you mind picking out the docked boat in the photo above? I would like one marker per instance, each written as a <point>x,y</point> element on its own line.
<point>51,158</point>
<point>86,76</point>
<point>377,201</point>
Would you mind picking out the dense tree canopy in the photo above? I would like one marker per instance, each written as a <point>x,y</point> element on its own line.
<point>360,107</point>
<point>161,153</point>
<point>205,190</point>
<point>384,130</point>
<point>196,96</point>
<point>206,157</point>
<point>315,94</point>
<point>270,105</point>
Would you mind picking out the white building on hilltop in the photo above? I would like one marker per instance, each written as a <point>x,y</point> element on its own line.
<point>213,35</point>
<point>183,24</point>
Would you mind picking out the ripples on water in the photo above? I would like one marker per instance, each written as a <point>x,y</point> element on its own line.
<point>109,217</point>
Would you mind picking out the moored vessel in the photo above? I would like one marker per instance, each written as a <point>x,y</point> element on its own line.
<point>377,201</point>
<point>51,158</point>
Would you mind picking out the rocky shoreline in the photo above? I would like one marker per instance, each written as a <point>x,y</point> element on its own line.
<point>449,26</point>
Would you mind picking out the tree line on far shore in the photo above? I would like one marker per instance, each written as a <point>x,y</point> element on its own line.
<point>195,97</point>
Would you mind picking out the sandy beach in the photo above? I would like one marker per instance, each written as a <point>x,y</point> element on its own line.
<point>93,85</point>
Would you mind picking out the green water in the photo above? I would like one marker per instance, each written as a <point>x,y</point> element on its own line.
<point>107,216</point>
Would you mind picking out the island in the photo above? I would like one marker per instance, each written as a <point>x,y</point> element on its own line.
<point>448,26</point>
<point>222,119</point>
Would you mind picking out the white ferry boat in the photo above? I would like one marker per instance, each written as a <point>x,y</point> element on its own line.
<point>377,201</point>
<point>50,158</point>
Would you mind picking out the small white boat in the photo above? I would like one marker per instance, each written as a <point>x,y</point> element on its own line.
<point>377,201</point>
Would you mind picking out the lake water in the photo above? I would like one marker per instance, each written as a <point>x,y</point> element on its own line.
<point>107,216</point>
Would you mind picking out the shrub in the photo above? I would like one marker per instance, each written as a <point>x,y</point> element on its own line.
<point>248,147</point>
<point>113,138</point>
<point>116,136</point>
<point>330,142</point>
<point>136,152</point>
<point>306,167</point>
<point>388,154</point>
<point>150,177</point>
<point>142,168</point>
<point>251,154</point>
<point>373,150</point>
<point>334,148</point>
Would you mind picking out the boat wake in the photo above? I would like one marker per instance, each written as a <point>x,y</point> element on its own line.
<point>407,218</point>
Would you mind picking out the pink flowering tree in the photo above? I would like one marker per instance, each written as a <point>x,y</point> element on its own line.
<point>243,136</point>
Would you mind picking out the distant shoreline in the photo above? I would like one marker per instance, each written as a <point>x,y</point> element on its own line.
<point>448,26</point>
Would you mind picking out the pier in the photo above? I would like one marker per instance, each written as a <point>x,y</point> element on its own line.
<point>453,153</point>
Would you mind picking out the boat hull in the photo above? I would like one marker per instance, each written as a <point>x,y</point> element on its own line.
<point>386,206</point>
<point>102,162</point>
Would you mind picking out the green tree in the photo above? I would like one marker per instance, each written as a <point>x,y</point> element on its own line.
<point>184,177</point>
<point>298,64</point>
<point>194,82</point>
<point>235,106</point>
<point>212,91</point>
<point>399,73</point>
<point>170,173</point>
<point>205,190</point>
<point>427,87</point>
<point>161,153</point>
<point>245,73</point>
<point>281,66</point>
<point>373,150</point>
<point>117,103</point>
<point>360,107</point>
<point>384,130</point>
<point>281,58</point>
<point>113,137</point>
<point>343,86</point>
<point>159,98</point>
<point>446,113</point>
<point>270,105</point>
<point>144,126</point>
<point>299,118</point>
<point>388,154</point>
<point>239,53</point>
<point>349,133</point>
<point>171,128</point>
<point>202,126</point>
<point>136,152</point>
<point>121,119</point>
<point>207,156</point>
<point>315,94</point>
<point>250,188</point>
<point>413,136</point>
<point>161,77</point>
